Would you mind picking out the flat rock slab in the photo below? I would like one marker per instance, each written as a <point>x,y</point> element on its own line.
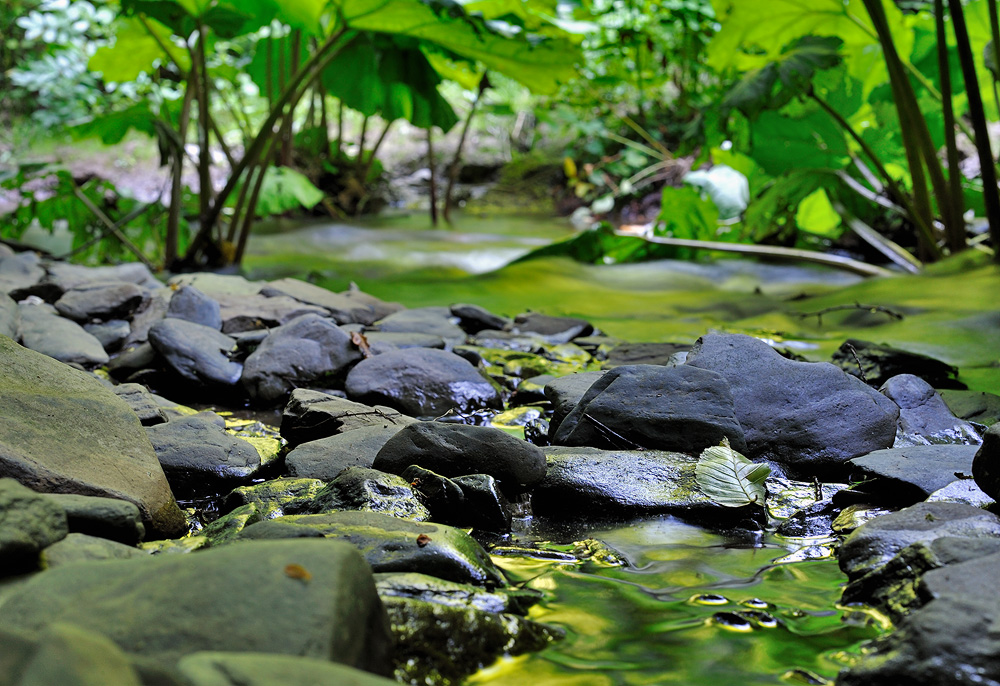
<point>96,446</point>
<point>460,449</point>
<point>59,338</point>
<point>342,309</point>
<point>309,598</point>
<point>810,417</point>
<point>683,409</point>
<point>589,481</point>
<point>83,548</point>
<point>262,669</point>
<point>876,542</point>
<point>101,300</point>
<point>327,457</point>
<point>974,406</point>
<point>250,312</point>
<point>392,545</point>
<point>436,321</point>
<point>552,329</point>
<point>913,473</point>
<point>69,276</point>
<point>879,363</point>
<point>421,382</point>
<point>311,415</point>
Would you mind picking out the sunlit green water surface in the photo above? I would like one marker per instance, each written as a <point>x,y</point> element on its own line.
<point>673,615</point>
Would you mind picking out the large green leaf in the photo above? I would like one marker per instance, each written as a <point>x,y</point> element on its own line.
<point>684,213</point>
<point>730,479</point>
<point>227,18</point>
<point>775,212</point>
<point>285,189</point>
<point>272,62</point>
<point>781,142</point>
<point>112,126</point>
<point>136,49</point>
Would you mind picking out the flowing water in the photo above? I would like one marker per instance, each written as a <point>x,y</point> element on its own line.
<point>691,606</point>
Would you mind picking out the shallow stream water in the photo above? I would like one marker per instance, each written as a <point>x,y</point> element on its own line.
<point>692,606</point>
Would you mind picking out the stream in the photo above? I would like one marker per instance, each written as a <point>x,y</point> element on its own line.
<point>672,602</point>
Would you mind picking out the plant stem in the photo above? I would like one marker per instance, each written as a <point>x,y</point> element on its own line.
<point>200,80</point>
<point>433,180</point>
<point>112,227</point>
<point>955,227</point>
<point>456,160</point>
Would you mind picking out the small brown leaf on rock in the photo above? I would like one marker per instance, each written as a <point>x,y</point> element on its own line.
<point>298,572</point>
<point>359,340</point>
<point>423,539</point>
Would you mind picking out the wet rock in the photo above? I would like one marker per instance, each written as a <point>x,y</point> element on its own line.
<point>101,301</point>
<point>198,457</point>
<point>421,382</point>
<point>369,490</point>
<point>199,354</point>
<point>248,312</point>
<point>315,599</point>
<point>99,448</point>
<point>552,329</point>
<point>812,521</point>
<point>307,350</point>
<point>59,338</point>
<point>190,304</point>
<point>431,589</point>
<point>908,475</point>
<point>64,654</point>
<point>340,308</point>
<point>142,403</point>
<point>327,457</point>
<point>566,392</point>
<point>961,491</point>
<point>665,354</point>
<point>262,669</point>
<point>111,334</point>
<point>809,417</point>
<point>20,272</point>
<point>485,506</point>
<point>442,495</point>
<point>28,522</point>
<point>924,419</point>
<point>473,318</point>
<point>274,498</point>
<point>392,545</point>
<point>973,406</point>
<point>986,463</point>
<point>948,640</point>
<point>133,360</point>
<point>10,316</point>
<point>311,415</point>
<point>460,449</point>
<point>83,548</point>
<point>427,650</point>
<point>879,363</point>
<point>588,480</point>
<point>683,409</point>
<point>879,540</point>
<point>436,321</point>
<point>110,518</point>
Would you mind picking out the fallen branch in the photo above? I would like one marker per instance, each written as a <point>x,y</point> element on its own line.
<point>856,306</point>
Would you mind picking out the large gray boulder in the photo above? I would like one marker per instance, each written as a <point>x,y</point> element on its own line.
<point>421,382</point>
<point>101,300</point>
<point>64,432</point>
<point>64,654</point>
<point>309,598</point>
<point>461,449</point>
<point>810,417</point>
<point>684,409</point>
<point>118,520</point>
<point>48,333</point>
<point>308,350</point>
<point>199,354</point>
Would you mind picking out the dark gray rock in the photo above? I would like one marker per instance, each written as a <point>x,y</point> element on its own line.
<point>307,350</point>
<point>878,541</point>
<point>308,598</point>
<point>199,354</point>
<point>83,548</point>
<point>146,316</point>
<point>20,272</point>
<point>683,409</point>
<point>552,329</point>
<point>199,458</point>
<point>190,304</point>
<point>101,301</point>
<point>485,506</point>
<point>879,363</point>
<point>311,415</point>
<point>431,589</point>
<point>274,498</point>
<point>340,308</point>
<point>473,318</point>
<point>249,312</point>
<point>444,497</point>
<point>986,463</point>
<point>98,446</point>
<point>566,392</point>
<point>973,406</point>
<point>392,545</point>
<point>132,360</point>
<point>381,308</point>
<point>111,334</point>
<point>924,419</point>
<point>142,403</point>
<point>436,321</point>
<point>118,520</point>
<point>421,382</point>
<point>10,316</point>
<point>59,338</point>
<point>28,522</point>
<point>460,449</point>
<point>369,490</point>
<point>262,669</point>
<point>666,354</point>
<point>810,417</point>
<point>950,640</point>
<point>908,475</point>
<point>327,457</point>
<point>626,482</point>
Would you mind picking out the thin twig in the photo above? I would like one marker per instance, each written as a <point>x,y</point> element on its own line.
<point>112,228</point>
<point>856,306</point>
